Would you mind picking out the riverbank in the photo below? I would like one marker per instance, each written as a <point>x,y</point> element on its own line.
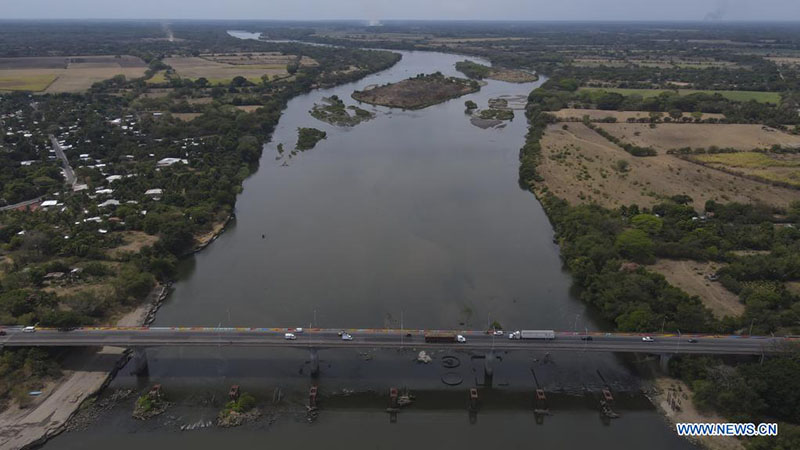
<point>86,372</point>
<point>674,400</point>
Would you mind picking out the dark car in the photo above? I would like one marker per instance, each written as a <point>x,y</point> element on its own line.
<point>2,332</point>
<point>693,341</point>
<point>586,338</point>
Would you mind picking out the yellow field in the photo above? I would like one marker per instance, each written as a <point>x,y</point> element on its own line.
<point>53,74</point>
<point>34,82</point>
<point>159,77</point>
<point>668,136</point>
<point>769,167</point>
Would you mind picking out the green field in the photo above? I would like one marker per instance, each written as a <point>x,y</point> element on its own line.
<point>738,96</point>
<point>33,83</point>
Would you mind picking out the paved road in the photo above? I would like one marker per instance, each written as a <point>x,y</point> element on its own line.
<point>69,174</point>
<point>20,204</point>
<point>328,338</point>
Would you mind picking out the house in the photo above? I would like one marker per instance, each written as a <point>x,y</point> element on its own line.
<point>157,192</point>
<point>48,203</point>
<point>109,202</point>
<point>166,162</point>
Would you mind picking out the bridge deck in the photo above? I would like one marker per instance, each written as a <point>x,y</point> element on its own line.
<point>388,338</point>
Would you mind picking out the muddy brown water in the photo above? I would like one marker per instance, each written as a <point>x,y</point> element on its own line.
<point>412,216</point>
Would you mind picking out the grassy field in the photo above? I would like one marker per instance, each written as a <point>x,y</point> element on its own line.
<point>34,82</point>
<point>159,77</point>
<point>221,69</point>
<point>769,167</point>
<point>581,166</point>
<point>739,96</point>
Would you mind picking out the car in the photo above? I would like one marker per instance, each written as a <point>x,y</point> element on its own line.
<point>408,334</point>
<point>497,333</point>
<point>298,330</point>
<point>347,337</point>
<point>586,338</point>
<point>289,336</point>
<point>340,333</point>
<point>648,339</point>
<point>2,332</point>
<point>693,341</point>
<point>29,329</point>
<point>461,339</point>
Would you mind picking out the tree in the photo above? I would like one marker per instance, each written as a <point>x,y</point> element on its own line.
<point>648,223</point>
<point>636,245</point>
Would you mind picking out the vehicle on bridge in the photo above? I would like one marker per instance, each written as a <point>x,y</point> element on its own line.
<point>444,337</point>
<point>533,334</point>
<point>289,336</point>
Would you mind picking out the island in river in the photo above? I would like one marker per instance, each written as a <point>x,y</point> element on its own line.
<point>418,92</point>
<point>333,111</point>
<point>479,72</point>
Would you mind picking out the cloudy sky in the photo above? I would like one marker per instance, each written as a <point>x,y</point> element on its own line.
<point>729,10</point>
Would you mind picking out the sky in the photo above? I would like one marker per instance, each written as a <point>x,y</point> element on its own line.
<point>600,10</point>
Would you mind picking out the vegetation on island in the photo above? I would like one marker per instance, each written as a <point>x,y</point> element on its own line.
<point>479,71</point>
<point>150,404</point>
<point>333,111</point>
<point>418,92</point>
<point>307,138</point>
<point>239,411</point>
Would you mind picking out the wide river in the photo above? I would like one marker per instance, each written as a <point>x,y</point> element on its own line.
<point>414,216</point>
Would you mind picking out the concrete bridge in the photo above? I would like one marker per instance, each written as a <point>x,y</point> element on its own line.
<point>389,338</point>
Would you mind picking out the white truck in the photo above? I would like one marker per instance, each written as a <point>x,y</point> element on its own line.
<point>532,334</point>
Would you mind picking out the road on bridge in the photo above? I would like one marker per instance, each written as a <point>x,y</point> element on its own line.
<point>390,338</point>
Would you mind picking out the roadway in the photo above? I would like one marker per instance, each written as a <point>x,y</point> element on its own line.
<point>388,338</point>
<point>69,174</point>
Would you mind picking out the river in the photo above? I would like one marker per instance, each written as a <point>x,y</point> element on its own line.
<point>412,217</point>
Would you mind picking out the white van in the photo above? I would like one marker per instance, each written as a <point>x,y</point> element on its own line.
<point>29,329</point>
<point>289,336</point>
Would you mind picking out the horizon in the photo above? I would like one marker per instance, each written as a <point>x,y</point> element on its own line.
<point>411,10</point>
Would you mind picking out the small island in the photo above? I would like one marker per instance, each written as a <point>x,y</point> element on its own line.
<point>491,117</point>
<point>238,411</point>
<point>333,111</point>
<point>150,404</point>
<point>418,92</point>
<point>479,71</point>
<point>307,138</point>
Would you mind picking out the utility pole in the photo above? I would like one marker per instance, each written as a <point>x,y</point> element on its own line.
<point>751,327</point>
<point>679,342</point>
<point>402,334</point>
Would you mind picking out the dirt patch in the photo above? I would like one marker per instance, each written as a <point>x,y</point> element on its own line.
<point>186,117</point>
<point>581,166</point>
<point>621,116</point>
<point>417,93</point>
<point>700,135</point>
<point>248,108</point>
<point>794,287</point>
<point>691,276</point>
<point>674,399</point>
<point>134,241</point>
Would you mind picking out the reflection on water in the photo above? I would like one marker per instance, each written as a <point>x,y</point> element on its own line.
<point>413,216</point>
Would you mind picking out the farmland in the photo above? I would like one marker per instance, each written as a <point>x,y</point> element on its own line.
<point>673,135</point>
<point>739,96</point>
<point>55,74</point>
<point>620,116</point>
<point>222,68</point>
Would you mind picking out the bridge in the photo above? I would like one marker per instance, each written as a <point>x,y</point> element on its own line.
<point>318,338</point>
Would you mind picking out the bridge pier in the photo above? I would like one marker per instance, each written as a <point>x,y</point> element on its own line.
<point>488,369</point>
<point>663,361</point>
<point>314,362</point>
<point>138,362</point>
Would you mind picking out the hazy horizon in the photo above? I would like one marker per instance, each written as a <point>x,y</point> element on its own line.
<point>378,10</point>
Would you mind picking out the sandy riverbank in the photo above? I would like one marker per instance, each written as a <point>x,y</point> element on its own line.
<point>86,372</point>
<point>674,399</point>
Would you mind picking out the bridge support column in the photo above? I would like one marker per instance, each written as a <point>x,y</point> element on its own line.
<point>663,361</point>
<point>139,362</point>
<point>488,369</point>
<point>314,362</point>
